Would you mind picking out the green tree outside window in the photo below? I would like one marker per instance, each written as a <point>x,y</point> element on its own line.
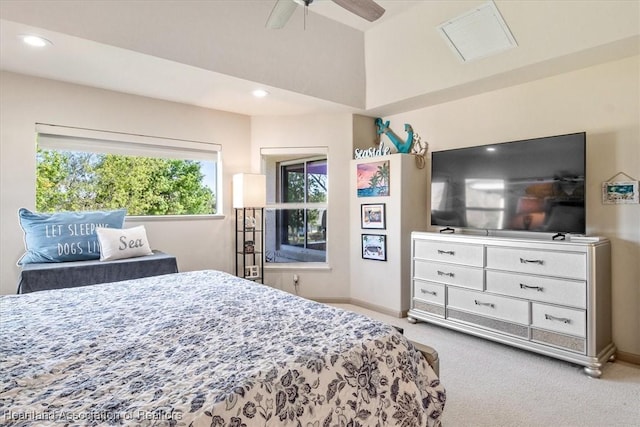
<point>71,181</point>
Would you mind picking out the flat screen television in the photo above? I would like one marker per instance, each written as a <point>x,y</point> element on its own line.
<point>534,185</point>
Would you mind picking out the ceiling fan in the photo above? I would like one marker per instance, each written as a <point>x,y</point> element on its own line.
<point>283,9</point>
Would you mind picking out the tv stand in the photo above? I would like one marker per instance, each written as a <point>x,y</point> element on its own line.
<point>559,236</point>
<point>550,297</point>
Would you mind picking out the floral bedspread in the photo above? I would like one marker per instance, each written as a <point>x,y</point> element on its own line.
<point>204,349</point>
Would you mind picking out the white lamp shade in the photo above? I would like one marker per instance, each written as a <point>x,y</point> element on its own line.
<point>249,190</point>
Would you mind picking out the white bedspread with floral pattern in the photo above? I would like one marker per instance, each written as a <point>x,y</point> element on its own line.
<point>204,349</point>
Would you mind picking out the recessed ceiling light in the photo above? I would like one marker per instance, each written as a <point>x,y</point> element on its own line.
<point>35,41</point>
<point>491,148</point>
<point>260,93</point>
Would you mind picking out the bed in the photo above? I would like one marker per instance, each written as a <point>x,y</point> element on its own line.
<point>205,348</point>
<point>57,275</point>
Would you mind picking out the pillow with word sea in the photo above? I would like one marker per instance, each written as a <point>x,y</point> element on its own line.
<point>65,236</point>
<point>124,243</point>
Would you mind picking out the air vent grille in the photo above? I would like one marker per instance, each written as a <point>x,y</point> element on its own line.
<point>478,33</point>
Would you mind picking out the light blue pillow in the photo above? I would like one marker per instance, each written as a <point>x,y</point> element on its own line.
<point>65,236</point>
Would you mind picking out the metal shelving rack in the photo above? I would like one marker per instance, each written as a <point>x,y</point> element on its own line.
<point>249,234</point>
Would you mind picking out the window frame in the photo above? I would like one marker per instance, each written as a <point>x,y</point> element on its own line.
<point>287,156</point>
<point>305,205</point>
<point>66,138</point>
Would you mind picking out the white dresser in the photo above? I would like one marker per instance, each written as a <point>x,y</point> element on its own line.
<point>551,297</point>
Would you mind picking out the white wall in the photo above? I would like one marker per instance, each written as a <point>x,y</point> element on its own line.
<point>334,131</point>
<point>199,244</point>
<point>407,60</point>
<point>385,286</point>
<point>601,100</point>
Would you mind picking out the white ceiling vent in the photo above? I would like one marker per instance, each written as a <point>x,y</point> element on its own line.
<point>478,33</point>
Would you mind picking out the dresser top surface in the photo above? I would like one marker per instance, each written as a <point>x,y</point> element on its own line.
<point>534,242</point>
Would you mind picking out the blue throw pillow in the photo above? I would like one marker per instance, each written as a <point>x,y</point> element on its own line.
<point>65,236</point>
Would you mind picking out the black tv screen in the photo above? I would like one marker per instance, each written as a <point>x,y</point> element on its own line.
<point>535,185</point>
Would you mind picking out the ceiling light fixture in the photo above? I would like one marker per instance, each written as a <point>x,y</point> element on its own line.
<point>260,93</point>
<point>35,41</point>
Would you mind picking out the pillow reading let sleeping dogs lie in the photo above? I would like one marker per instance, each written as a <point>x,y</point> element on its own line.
<point>64,236</point>
<point>124,243</point>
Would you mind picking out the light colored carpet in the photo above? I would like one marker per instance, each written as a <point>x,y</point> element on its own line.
<point>494,385</point>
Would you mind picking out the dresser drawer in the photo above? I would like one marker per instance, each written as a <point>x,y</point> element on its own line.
<point>451,274</point>
<point>538,288</point>
<point>472,255</point>
<point>504,308</point>
<point>560,264</point>
<point>559,319</point>
<point>428,291</point>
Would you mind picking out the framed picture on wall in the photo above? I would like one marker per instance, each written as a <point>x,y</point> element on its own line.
<point>620,192</point>
<point>374,246</point>
<point>373,216</point>
<point>373,179</point>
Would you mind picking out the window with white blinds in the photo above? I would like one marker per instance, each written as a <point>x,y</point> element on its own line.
<point>86,169</point>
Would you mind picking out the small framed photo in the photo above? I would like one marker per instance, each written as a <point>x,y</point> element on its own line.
<point>374,246</point>
<point>248,246</point>
<point>251,271</point>
<point>620,192</point>
<point>373,216</point>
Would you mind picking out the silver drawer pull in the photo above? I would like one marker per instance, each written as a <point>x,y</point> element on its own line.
<point>424,291</point>
<point>442,273</point>
<point>441,252</point>
<point>537,288</point>
<point>531,261</point>
<point>488,304</point>
<point>559,319</point>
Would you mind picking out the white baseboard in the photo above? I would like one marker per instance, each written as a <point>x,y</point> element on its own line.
<point>363,304</point>
<point>628,357</point>
<point>378,308</point>
<point>332,300</point>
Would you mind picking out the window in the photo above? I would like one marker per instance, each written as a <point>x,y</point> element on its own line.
<point>81,169</point>
<point>295,219</point>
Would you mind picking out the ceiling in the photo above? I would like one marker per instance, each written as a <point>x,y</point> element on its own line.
<point>127,46</point>
<point>332,11</point>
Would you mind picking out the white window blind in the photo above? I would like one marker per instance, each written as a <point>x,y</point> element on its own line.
<point>55,137</point>
<point>182,196</point>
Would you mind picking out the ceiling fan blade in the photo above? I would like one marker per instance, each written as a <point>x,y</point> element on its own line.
<point>281,13</point>
<point>367,9</point>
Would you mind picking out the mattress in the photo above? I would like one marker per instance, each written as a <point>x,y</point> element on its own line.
<point>205,349</point>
